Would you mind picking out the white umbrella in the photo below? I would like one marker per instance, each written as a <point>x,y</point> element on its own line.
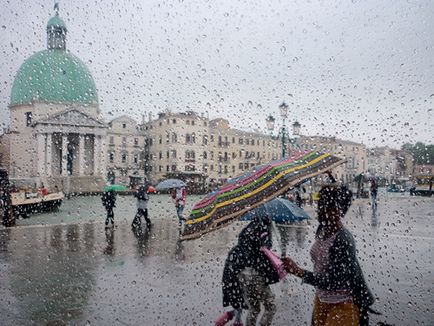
<point>170,184</point>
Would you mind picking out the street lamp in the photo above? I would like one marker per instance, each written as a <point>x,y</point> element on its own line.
<point>283,133</point>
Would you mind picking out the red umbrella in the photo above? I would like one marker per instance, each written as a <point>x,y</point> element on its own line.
<point>151,190</point>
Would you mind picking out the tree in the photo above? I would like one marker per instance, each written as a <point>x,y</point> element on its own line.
<point>422,154</point>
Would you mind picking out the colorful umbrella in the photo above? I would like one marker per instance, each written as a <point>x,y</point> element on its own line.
<point>281,211</point>
<point>253,189</point>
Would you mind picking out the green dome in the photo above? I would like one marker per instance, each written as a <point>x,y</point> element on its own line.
<point>56,21</point>
<point>53,76</point>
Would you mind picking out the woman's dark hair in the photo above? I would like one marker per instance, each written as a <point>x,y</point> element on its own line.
<point>335,197</point>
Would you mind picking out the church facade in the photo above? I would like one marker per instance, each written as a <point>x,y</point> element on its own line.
<point>56,134</point>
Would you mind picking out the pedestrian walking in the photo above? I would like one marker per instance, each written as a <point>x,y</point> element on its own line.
<point>247,276</point>
<point>179,195</point>
<point>342,295</point>
<point>374,193</point>
<point>109,202</point>
<point>142,206</point>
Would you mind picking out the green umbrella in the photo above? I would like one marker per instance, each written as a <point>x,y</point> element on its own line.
<point>114,188</point>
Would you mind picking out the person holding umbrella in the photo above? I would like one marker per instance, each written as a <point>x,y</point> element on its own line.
<point>247,276</point>
<point>179,195</point>
<point>142,206</point>
<point>109,202</point>
<point>342,295</point>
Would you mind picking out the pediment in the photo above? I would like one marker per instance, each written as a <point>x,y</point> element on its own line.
<point>72,117</point>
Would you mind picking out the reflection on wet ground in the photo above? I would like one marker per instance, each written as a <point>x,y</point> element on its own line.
<point>87,274</point>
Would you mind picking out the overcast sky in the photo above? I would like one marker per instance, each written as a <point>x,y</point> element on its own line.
<point>359,70</point>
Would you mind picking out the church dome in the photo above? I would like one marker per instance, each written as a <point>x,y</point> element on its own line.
<point>54,75</point>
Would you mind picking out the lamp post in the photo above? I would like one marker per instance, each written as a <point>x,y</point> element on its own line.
<point>283,132</point>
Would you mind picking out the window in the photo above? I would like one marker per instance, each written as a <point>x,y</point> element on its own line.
<point>160,155</point>
<point>205,155</point>
<point>173,121</point>
<point>205,124</point>
<point>211,138</point>
<point>189,168</point>
<point>211,167</point>
<point>205,140</point>
<point>124,141</point>
<point>190,155</point>
<point>28,118</point>
<point>173,153</point>
<point>111,157</point>
<point>112,140</point>
<point>173,167</point>
<point>124,157</point>
<point>240,141</point>
<point>167,168</point>
<point>136,141</point>
<point>160,139</point>
<point>124,126</point>
<point>233,140</point>
<point>233,168</point>
<point>187,122</point>
<point>160,168</point>
<point>192,122</point>
<point>211,155</point>
<point>136,158</point>
<point>174,137</point>
<point>167,154</point>
<point>240,166</point>
<point>190,138</point>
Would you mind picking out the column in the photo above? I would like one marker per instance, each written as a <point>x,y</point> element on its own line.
<point>40,153</point>
<point>49,155</point>
<point>81,153</point>
<point>103,156</point>
<point>96,154</point>
<point>64,154</point>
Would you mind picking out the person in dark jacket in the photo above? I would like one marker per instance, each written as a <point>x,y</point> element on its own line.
<point>109,202</point>
<point>342,295</point>
<point>142,206</point>
<point>247,275</point>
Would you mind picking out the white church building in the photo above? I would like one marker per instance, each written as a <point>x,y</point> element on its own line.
<point>56,135</point>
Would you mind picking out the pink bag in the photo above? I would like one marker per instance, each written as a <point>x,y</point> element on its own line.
<point>275,261</point>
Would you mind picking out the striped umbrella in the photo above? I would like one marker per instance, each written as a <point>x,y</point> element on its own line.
<point>253,188</point>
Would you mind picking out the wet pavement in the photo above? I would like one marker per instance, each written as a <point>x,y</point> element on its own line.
<point>70,270</point>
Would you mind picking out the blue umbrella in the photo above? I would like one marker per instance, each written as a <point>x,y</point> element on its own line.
<point>170,184</point>
<point>281,210</point>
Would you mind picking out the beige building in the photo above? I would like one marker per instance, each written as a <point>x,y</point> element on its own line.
<point>204,151</point>
<point>354,153</point>
<point>176,144</point>
<point>232,151</point>
<point>125,148</point>
<point>389,163</point>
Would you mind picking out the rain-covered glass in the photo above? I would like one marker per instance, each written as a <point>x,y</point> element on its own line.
<point>216,163</point>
